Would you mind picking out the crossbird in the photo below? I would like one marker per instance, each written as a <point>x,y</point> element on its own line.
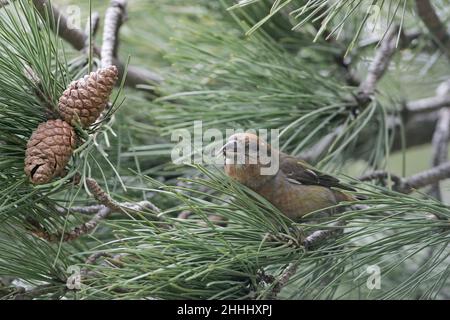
<point>295,188</point>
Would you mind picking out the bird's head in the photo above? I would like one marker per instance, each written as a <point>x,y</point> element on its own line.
<point>248,157</point>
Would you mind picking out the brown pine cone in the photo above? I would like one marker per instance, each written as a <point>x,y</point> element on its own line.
<point>85,99</point>
<point>49,150</point>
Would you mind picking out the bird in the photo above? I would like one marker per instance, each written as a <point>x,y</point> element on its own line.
<point>295,187</point>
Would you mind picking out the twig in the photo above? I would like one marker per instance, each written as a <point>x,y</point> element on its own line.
<point>184,215</point>
<point>378,66</point>
<point>36,292</point>
<point>437,29</point>
<point>372,41</point>
<point>422,113</point>
<point>92,259</point>
<point>73,234</point>
<point>416,181</point>
<point>58,23</point>
<point>382,176</point>
<point>115,15</point>
<point>77,38</point>
<point>440,147</point>
<point>317,237</point>
<point>427,104</point>
<point>101,196</point>
<point>87,227</point>
<point>427,177</point>
<point>83,210</point>
<point>282,281</point>
<point>308,243</point>
<point>108,206</point>
<point>366,89</point>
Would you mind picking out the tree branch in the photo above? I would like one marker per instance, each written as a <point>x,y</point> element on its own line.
<point>427,104</point>
<point>366,89</point>
<point>378,66</point>
<point>114,18</point>
<point>416,181</point>
<point>78,39</point>
<point>282,281</point>
<point>437,29</point>
<point>422,113</point>
<point>317,237</point>
<point>107,207</point>
<point>101,196</point>
<point>313,240</point>
<point>37,292</point>
<point>440,147</point>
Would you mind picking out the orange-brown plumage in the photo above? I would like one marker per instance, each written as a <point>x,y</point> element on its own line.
<point>295,188</point>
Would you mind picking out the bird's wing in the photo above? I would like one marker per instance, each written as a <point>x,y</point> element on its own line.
<point>298,171</point>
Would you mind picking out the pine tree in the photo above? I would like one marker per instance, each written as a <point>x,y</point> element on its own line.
<point>93,207</point>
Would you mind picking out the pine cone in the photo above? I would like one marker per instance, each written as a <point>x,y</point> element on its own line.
<point>85,99</point>
<point>49,150</point>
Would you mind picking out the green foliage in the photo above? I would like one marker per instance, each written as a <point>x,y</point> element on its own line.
<point>214,72</point>
<point>195,259</point>
<point>34,72</point>
<point>229,81</point>
<point>330,17</point>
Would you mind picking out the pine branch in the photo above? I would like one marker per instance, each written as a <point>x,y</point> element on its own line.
<point>78,39</point>
<point>101,196</point>
<point>317,237</point>
<point>408,37</point>
<point>366,90</point>
<point>102,212</point>
<point>115,16</point>
<point>437,29</point>
<point>283,280</point>
<point>440,146</point>
<point>311,241</point>
<point>416,181</point>
<point>88,210</point>
<point>427,104</point>
<point>37,292</point>
<point>422,113</point>
<point>378,66</point>
<point>59,24</point>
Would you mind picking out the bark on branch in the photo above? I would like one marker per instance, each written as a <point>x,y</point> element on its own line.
<point>283,280</point>
<point>440,147</point>
<point>423,114</point>
<point>378,66</point>
<point>366,90</point>
<point>310,242</point>
<point>437,29</point>
<point>103,211</point>
<point>114,18</point>
<point>414,182</point>
<point>428,104</point>
<point>78,39</point>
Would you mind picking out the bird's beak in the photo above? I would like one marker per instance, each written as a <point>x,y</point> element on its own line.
<point>223,150</point>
